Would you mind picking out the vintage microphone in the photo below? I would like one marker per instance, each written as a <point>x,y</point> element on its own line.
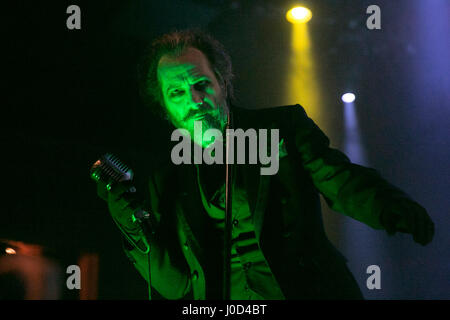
<point>109,170</point>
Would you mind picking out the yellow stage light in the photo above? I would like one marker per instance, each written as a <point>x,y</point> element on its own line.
<point>299,15</point>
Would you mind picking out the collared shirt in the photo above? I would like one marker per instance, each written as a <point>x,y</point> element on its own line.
<point>251,277</point>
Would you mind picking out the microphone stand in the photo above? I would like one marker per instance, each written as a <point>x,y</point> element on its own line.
<point>146,224</point>
<point>228,216</point>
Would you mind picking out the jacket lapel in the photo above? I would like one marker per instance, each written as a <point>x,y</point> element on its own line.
<point>257,187</point>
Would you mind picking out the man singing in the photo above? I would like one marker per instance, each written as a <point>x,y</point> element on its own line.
<point>279,249</point>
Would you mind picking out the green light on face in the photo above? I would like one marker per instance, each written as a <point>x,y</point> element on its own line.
<point>192,93</point>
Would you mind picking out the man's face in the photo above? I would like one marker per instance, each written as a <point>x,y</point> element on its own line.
<point>192,92</point>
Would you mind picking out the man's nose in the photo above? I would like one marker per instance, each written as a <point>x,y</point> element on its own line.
<point>197,97</point>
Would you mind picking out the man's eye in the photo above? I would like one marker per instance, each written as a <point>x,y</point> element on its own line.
<point>202,84</point>
<point>176,93</point>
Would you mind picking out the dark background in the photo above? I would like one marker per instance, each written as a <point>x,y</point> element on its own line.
<point>71,95</point>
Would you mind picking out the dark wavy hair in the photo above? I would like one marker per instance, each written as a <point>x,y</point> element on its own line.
<point>175,43</point>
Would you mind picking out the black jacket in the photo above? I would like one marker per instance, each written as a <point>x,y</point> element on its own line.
<point>285,210</point>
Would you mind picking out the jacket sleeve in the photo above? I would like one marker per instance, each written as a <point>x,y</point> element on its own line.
<point>169,272</point>
<point>356,191</point>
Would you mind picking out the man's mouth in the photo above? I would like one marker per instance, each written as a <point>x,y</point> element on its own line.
<point>199,116</point>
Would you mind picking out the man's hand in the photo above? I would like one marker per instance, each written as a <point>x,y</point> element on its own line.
<point>409,217</point>
<point>122,203</point>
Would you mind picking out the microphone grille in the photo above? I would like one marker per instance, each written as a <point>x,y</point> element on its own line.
<point>110,167</point>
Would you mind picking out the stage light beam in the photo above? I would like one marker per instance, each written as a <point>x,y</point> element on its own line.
<point>302,85</point>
